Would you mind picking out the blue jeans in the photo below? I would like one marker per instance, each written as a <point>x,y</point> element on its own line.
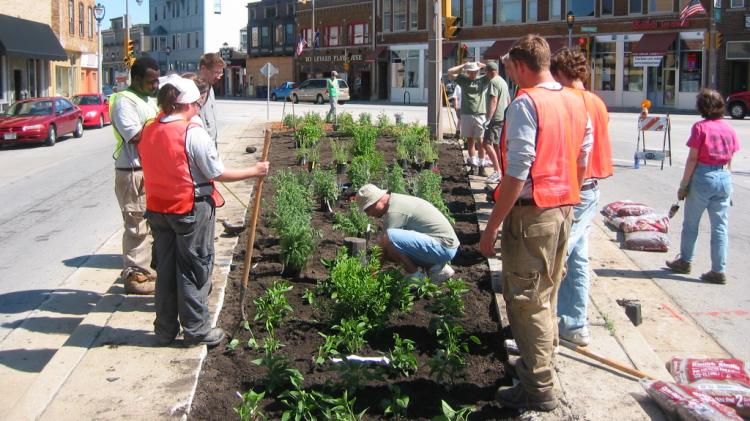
<point>422,249</point>
<point>573,298</point>
<point>710,189</point>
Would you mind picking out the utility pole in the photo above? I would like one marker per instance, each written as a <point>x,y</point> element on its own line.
<point>435,69</point>
<point>713,56</point>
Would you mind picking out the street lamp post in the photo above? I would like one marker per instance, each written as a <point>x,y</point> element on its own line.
<point>571,19</point>
<point>226,55</point>
<point>167,50</point>
<point>99,12</point>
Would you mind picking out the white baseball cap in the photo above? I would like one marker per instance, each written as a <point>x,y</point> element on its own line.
<point>189,92</point>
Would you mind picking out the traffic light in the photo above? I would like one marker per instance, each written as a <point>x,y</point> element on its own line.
<point>585,46</point>
<point>130,49</point>
<point>718,40</point>
<point>452,23</point>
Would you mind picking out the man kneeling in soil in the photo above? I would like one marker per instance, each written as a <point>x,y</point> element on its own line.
<point>416,235</point>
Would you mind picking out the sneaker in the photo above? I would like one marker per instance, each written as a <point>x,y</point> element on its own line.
<point>714,277</point>
<point>493,178</point>
<point>139,284</point>
<point>580,337</point>
<point>474,161</point>
<point>440,273</point>
<point>517,397</point>
<point>482,172</point>
<point>211,339</point>
<point>679,265</point>
<point>486,162</point>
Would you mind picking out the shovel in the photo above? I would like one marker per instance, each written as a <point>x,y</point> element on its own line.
<point>675,207</point>
<point>253,222</point>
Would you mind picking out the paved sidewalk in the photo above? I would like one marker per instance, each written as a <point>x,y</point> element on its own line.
<point>101,363</point>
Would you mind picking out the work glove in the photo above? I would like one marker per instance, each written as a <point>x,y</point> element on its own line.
<point>682,192</point>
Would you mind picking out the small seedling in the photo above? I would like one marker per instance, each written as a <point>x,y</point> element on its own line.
<point>403,361</point>
<point>397,404</point>
<point>450,414</point>
<point>249,409</point>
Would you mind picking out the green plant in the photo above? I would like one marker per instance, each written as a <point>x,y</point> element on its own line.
<point>394,180</point>
<point>273,306</point>
<point>325,186</point>
<point>450,414</point>
<point>353,222</point>
<point>403,361</point>
<point>609,323</point>
<point>341,408</point>
<point>278,372</point>
<point>329,348</point>
<point>428,187</point>
<point>427,151</point>
<point>313,118</point>
<point>365,118</point>
<point>301,404</point>
<point>359,172</point>
<point>309,296</point>
<point>297,245</point>
<point>425,288</point>
<point>364,138</point>
<point>402,151</point>
<point>313,153</point>
<point>352,333</point>
<point>249,409</point>
<point>308,135</point>
<point>290,120</point>
<point>340,151</point>
<point>399,289</point>
<point>384,123</point>
<point>449,360</point>
<point>449,302</point>
<point>353,375</point>
<point>232,345</point>
<point>397,404</point>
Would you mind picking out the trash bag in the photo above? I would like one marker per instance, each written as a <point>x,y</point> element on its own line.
<point>687,403</point>
<point>647,241</point>
<point>724,379</point>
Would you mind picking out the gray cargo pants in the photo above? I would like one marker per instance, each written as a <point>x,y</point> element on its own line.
<point>184,253</point>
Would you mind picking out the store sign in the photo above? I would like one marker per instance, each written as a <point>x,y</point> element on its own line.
<point>646,60</point>
<point>332,58</point>
<point>642,25</point>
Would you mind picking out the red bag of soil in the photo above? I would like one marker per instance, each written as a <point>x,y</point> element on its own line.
<point>625,208</point>
<point>647,241</point>
<point>687,403</point>
<point>649,222</point>
<point>725,380</point>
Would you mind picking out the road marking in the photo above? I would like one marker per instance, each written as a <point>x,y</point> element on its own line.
<point>673,313</point>
<point>719,313</point>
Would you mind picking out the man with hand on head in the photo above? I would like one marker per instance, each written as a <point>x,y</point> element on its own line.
<point>473,108</point>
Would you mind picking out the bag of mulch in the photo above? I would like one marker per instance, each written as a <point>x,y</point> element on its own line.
<point>726,380</point>
<point>625,208</point>
<point>658,222</point>
<point>647,241</point>
<point>686,403</point>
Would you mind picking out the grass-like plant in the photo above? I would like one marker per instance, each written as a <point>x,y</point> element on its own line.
<point>428,187</point>
<point>384,124</point>
<point>353,222</point>
<point>340,151</point>
<point>297,246</point>
<point>427,151</point>
<point>291,121</point>
<point>360,172</point>
<point>394,180</point>
<point>308,134</point>
<point>365,118</point>
<point>364,139</point>
<point>325,186</point>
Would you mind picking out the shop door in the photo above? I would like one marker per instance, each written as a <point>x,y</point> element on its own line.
<point>662,86</point>
<point>382,80</point>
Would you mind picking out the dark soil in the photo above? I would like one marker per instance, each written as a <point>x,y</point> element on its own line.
<point>226,373</point>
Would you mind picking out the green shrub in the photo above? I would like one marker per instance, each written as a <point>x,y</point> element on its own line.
<point>427,152</point>
<point>291,218</point>
<point>290,120</point>
<point>325,186</point>
<point>354,222</point>
<point>359,172</point>
<point>427,187</point>
<point>384,124</point>
<point>364,138</point>
<point>340,151</point>
<point>308,135</point>
<point>357,290</point>
<point>394,180</point>
<point>297,246</point>
<point>313,118</point>
<point>365,119</point>
<point>273,306</point>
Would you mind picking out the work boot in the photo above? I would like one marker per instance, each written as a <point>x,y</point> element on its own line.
<point>160,340</point>
<point>510,366</point>
<point>211,339</point>
<point>679,265</point>
<point>139,284</point>
<point>714,277</point>
<point>517,397</point>
<point>580,337</point>
<point>440,273</point>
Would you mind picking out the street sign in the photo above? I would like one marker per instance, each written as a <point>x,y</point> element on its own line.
<point>646,61</point>
<point>588,28</point>
<point>269,70</point>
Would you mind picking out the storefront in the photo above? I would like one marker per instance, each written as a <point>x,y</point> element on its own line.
<point>353,65</point>
<point>738,60</point>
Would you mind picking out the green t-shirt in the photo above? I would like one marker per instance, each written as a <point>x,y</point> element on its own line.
<point>333,87</point>
<point>472,94</point>
<point>415,214</point>
<point>499,88</point>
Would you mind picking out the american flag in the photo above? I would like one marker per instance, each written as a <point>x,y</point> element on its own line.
<point>691,8</point>
<point>301,44</point>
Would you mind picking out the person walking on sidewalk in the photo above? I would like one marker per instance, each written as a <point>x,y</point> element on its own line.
<point>332,85</point>
<point>570,68</point>
<point>416,235</point>
<point>129,111</point>
<point>544,153</point>
<point>707,185</point>
<point>473,108</point>
<point>497,101</point>
<point>180,165</point>
<point>211,70</point>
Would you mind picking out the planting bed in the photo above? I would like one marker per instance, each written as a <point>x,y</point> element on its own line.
<point>225,373</point>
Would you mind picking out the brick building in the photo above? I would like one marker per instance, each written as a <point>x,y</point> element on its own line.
<point>75,26</point>
<point>734,53</point>
<point>344,43</point>
<point>271,38</point>
<point>619,35</point>
<point>114,72</point>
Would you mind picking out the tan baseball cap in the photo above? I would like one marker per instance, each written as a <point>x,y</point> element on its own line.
<point>368,195</point>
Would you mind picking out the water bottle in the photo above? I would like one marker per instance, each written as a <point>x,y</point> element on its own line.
<point>636,161</point>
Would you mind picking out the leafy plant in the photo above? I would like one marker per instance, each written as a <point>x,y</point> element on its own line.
<point>427,151</point>
<point>402,151</point>
<point>297,245</point>
<point>428,187</point>
<point>329,348</point>
<point>394,180</point>
<point>249,409</point>
<point>232,345</point>
<point>353,375</point>
<point>325,186</point>
<point>309,296</point>
<point>365,118</point>
<point>397,404</point>
<point>301,404</point>
<point>449,303</point>
<point>425,288</point>
<point>449,360</point>
<point>340,151</point>
<point>308,135</point>
<point>290,120</point>
<point>273,306</point>
<point>450,414</point>
<point>384,123</point>
<point>403,361</point>
<point>313,118</point>
<point>364,138</point>
<point>353,222</point>
<point>313,153</point>
<point>352,333</point>
<point>359,172</point>
<point>278,372</point>
<point>341,408</point>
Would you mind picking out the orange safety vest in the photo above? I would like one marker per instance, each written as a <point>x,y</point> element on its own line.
<point>561,128</point>
<point>168,183</point>
<point>600,159</point>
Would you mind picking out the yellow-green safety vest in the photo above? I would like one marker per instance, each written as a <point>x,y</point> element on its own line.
<point>146,110</point>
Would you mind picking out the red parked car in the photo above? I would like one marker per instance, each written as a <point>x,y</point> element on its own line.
<point>40,120</point>
<point>95,109</point>
<point>738,103</point>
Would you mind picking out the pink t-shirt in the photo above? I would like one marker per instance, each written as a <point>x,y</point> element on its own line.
<point>715,140</point>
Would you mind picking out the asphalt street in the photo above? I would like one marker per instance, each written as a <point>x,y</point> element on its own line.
<point>60,207</point>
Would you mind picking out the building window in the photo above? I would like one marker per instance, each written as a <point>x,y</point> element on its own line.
<point>387,15</point>
<point>80,20</point>
<point>632,79</point>
<point>605,57</point>
<point>736,3</point>
<point>468,13</point>
<point>508,11</point>
<point>691,65</point>
<point>555,10</point>
<point>197,44</point>
<point>179,41</point>
<point>290,9</point>
<point>331,36</point>
<point>156,14</point>
<point>399,15</point>
<point>279,34</point>
<point>254,37</point>
<point>635,7</point>
<point>456,7</point>
<point>405,68</point>
<point>217,7</point>
<point>174,41</point>
<point>71,17</point>
<point>91,22</point>
<point>162,43</point>
<point>196,7</point>
<point>660,6</point>
<point>360,33</point>
<point>582,8</point>
<point>177,9</point>
<point>413,15</point>
<point>531,9</point>
<point>189,40</point>
<point>164,12</point>
<point>270,12</point>
<point>265,41</point>
<point>487,11</point>
<point>252,13</point>
<point>607,8</point>
<point>289,38</point>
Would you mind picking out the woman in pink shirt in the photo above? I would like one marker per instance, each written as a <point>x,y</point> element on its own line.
<point>707,185</point>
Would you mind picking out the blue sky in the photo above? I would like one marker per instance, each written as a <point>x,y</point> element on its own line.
<point>116,8</point>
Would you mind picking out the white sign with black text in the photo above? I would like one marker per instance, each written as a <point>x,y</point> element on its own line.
<point>646,61</point>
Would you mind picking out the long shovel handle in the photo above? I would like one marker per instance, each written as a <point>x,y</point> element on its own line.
<point>253,223</point>
<point>604,360</point>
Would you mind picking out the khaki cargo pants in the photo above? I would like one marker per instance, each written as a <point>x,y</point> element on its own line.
<point>136,243</point>
<point>534,246</point>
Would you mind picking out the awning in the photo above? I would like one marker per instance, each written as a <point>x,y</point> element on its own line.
<point>374,54</point>
<point>557,44</point>
<point>654,44</point>
<point>21,37</point>
<point>448,49</point>
<point>499,49</point>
